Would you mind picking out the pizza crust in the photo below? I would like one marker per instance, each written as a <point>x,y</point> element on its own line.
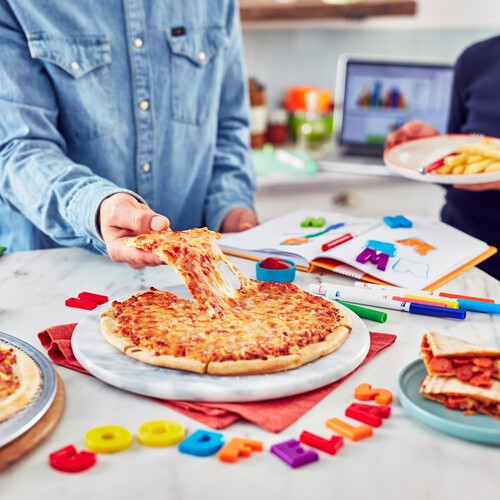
<point>331,343</point>
<point>255,366</point>
<point>30,381</point>
<point>109,328</point>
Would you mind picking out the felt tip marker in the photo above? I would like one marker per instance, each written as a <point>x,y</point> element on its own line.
<point>336,242</point>
<point>346,237</point>
<point>424,293</point>
<point>477,306</point>
<point>350,294</point>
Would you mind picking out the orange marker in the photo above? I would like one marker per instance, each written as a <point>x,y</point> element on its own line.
<point>349,431</point>
<point>364,392</point>
<point>238,447</point>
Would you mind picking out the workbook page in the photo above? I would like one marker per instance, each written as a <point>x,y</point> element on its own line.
<point>287,237</point>
<point>417,256</point>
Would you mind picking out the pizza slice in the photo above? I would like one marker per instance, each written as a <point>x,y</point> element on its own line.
<point>451,357</point>
<point>197,258</point>
<point>457,395</point>
<point>19,380</point>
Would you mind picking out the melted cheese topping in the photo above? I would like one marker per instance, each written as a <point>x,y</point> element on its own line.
<point>265,320</point>
<point>9,379</point>
<point>197,258</point>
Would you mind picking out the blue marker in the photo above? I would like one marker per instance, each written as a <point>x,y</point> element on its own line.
<point>441,312</point>
<point>476,305</point>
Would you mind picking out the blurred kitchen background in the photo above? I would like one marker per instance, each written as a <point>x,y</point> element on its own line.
<point>303,51</point>
<point>295,44</point>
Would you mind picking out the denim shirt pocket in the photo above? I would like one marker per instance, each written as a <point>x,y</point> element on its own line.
<point>78,67</point>
<point>196,70</point>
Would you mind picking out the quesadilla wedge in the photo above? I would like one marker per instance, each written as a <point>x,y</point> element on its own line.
<point>452,357</point>
<point>457,395</point>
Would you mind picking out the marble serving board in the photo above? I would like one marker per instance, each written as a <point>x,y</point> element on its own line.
<point>114,367</point>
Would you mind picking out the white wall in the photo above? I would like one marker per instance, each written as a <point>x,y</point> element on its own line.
<point>305,53</point>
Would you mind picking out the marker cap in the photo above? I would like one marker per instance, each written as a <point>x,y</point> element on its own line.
<point>365,312</point>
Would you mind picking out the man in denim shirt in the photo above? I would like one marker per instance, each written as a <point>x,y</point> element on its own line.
<point>114,112</point>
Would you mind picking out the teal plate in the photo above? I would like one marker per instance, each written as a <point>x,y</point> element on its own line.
<point>479,428</point>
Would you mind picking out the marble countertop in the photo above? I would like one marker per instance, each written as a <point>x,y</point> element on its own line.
<point>404,459</point>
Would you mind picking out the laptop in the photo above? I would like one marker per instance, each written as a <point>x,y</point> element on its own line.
<point>374,96</point>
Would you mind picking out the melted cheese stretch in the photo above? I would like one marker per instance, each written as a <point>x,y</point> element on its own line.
<point>9,380</point>
<point>197,258</point>
<point>266,320</point>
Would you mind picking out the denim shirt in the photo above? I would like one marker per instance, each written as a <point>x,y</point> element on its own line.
<point>99,97</point>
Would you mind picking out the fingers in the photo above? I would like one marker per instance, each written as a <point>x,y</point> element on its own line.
<point>247,221</point>
<point>239,219</point>
<point>127,213</point>
<point>409,131</point>
<point>487,186</point>
<point>134,258</point>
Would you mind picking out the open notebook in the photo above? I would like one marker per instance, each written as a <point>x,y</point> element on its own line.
<point>421,257</point>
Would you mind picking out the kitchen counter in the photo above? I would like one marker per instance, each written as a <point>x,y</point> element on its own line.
<point>404,458</point>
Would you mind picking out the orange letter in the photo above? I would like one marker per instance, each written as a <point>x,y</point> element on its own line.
<point>236,447</point>
<point>364,392</point>
<point>348,431</point>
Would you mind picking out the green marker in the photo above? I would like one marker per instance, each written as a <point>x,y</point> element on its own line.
<point>364,312</point>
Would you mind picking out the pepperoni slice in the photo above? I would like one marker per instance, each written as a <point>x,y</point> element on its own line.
<point>461,361</point>
<point>483,362</point>
<point>440,365</point>
<point>481,380</point>
<point>465,372</point>
<point>454,402</point>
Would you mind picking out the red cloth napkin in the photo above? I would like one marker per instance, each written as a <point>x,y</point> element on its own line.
<point>273,415</point>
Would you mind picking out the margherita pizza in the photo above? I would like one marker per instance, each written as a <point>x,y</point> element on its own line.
<point>19,380</point>
<point>258,328</point>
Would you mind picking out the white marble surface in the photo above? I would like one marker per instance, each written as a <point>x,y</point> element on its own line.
<point>110,365</point>
<point>404,459</point>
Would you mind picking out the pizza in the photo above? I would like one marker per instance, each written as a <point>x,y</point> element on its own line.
<point>197,258</point>
<point>259,327</point>
<point>19,380</point>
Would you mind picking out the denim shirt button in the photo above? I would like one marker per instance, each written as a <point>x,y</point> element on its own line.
<point>202,56</point>
<point>138,43</point>
<point>74,66</point>
<point>146,167</point>
<point>144,105</point>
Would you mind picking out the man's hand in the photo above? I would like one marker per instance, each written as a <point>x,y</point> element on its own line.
<point>409,131</point>
<point>486,186</point>
<point>122,216</point>
<point>239,219</point>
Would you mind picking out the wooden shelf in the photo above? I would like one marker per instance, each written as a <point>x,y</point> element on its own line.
<point>295,10</point>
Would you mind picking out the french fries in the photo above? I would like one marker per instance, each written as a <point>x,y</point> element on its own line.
<point>470,159</point>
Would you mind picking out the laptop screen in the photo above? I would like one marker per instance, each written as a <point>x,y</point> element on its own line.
<point>379,96</point>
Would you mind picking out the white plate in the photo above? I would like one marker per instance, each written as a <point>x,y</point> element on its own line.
<point>405,159</point>
<point>116,368</point>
